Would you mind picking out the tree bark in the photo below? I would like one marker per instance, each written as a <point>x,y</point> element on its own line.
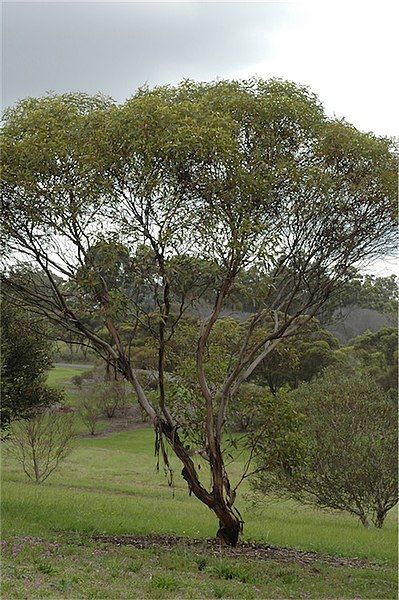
<point>364,520</point>
<point>379,519</point>
<point>230,525</point>
<point>221,498</point>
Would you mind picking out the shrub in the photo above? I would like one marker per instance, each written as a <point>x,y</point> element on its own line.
<point>111,394</point>
<point>25,359</point>
<point>350,461</point>
<point>41,443</point>
<point>90,406</point>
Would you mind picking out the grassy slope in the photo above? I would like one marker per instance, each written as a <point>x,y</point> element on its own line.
<point>114,482</point>
<point>109,485</point>
<point>59,375</point>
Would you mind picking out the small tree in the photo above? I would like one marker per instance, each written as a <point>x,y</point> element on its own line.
<point>41,443</point>
<point>377,353</point>
<point>297,359</point>
<point>90,404</point>
<point>350,457</point>
<point>114,397</point>
<point>111,390</point>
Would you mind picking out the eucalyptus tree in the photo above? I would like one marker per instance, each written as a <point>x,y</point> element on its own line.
<point>197,183</point>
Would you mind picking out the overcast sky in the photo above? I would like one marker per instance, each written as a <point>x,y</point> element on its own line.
<point>346,52</point>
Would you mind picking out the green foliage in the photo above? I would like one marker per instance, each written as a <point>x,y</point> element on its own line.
<point>350,448</point>
<point>276,438</point>
<point>246,409</point>
<point>25,358</point>
<point>58,126</point>
<point>213,164</point>
<point>379,293</point>
<point>72,353</point>
<point>164,187</point>
<point>376,354</point>
<point>137,212</point>
<point>297,359</point>
<point>366,291</point>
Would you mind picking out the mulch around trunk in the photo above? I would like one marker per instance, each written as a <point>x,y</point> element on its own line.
<point>243,549</point>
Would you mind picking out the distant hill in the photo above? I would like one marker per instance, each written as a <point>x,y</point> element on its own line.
<point>354,320</point>
<point>348,323</point>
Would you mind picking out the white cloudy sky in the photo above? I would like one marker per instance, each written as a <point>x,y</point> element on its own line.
<point>345,51</point>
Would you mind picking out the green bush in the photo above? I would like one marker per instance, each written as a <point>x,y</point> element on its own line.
<point>349,449</point>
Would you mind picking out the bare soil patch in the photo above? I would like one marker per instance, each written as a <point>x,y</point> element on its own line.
<point>242,550</point>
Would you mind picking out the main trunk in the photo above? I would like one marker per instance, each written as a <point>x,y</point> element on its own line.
<point>220,499</point>
<point>224,496</point>
<point>229,525</point>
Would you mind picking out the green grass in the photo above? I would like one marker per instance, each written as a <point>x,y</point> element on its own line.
<point>59,375</point>
<point>110,485</point>
<point>74,567</point>
<point>114,481</point>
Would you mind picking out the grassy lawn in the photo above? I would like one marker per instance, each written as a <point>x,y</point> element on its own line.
<point>73,567</point>
<point>60,374</point>
<point>109,485</point>
<point>59,377</point>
